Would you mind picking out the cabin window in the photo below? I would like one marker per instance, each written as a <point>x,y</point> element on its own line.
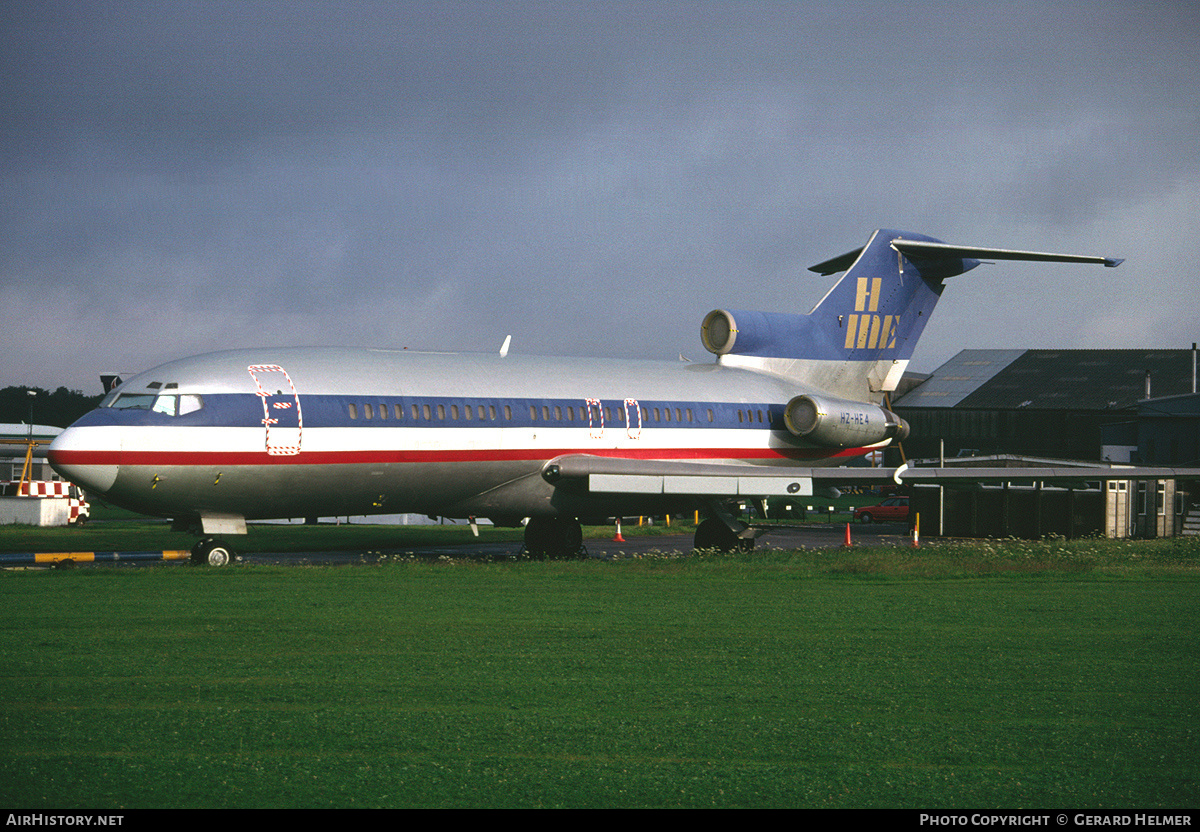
<point>427,411</point>
<point>532,413</point>
<point>710,415</point>
<point>368,412</point>
<point>398,411</point>
<point>491,411</point>
<point>383,411</point>
<point>441,412</point>
<point>570,414</point>
<point>353,410</point>
<point>468,412</point>
<point>546,412</point>
<point>454,412</point>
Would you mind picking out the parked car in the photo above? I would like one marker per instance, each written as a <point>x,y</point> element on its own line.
<point>890,510</point>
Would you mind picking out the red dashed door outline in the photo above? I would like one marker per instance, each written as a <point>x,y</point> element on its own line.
<point>281,409</point>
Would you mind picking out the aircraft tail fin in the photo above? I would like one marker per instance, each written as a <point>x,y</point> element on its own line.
<point>863,332</point>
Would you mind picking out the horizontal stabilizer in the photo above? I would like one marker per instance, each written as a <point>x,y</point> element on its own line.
<point>934,250</point>
<point>922,248</point>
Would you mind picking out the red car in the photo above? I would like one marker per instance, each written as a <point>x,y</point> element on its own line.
<point>892,509</point>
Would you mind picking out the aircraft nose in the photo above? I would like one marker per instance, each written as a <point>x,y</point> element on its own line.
<point>85,457</point>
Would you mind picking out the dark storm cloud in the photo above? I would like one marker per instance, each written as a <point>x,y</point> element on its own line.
<point>591,177</point>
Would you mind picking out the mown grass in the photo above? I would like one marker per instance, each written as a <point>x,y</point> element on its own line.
<point>999,675</point>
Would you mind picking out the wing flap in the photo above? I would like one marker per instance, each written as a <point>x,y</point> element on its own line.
<point>607,475</point>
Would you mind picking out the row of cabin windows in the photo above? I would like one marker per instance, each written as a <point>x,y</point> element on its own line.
<point>546,413</point>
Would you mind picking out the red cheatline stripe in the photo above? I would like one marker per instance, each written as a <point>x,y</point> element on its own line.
<point>80,457</point>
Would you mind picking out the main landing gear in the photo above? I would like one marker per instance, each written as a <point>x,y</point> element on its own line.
<point>714,533</point>
<point>553,538</point>
<point>212,552</point>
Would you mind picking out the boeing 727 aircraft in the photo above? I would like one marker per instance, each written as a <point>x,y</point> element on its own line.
<point>219,439</point>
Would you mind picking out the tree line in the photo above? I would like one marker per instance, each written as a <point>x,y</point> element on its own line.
<point>60,408</point>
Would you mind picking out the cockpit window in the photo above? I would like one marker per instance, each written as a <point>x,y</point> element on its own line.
<point>133,401</point>
<point>168,404</point>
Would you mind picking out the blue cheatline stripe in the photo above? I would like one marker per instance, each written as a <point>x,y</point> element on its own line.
<point>51,558</point>
<point>240,410</point>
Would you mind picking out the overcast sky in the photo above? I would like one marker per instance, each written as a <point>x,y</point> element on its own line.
<point>591,178</point>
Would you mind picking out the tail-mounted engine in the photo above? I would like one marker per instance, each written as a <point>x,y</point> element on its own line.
<point>837,423</point>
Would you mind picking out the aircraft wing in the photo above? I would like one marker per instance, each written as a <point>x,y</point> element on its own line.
<point>604,475</point>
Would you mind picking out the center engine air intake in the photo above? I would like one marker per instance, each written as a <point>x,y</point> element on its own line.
<point>837,423</point>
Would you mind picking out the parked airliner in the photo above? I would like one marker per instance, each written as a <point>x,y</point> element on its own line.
<point>218,439</point>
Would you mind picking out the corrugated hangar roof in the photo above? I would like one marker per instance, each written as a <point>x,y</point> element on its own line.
<point>1053,379</point>
<point>958,378</point>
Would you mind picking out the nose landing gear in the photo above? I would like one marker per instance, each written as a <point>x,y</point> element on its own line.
<point>212,552</point>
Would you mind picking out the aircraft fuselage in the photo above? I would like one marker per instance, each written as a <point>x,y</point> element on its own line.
<point>323,431</point>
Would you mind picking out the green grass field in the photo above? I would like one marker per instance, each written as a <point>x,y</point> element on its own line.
<point>960,676</point>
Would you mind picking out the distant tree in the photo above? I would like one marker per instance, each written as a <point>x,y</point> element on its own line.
<point>60,408</point>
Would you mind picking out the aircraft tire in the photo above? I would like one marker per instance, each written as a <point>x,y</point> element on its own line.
<point>553,538</point>
<point>210,552</point>
<point>713,534</point>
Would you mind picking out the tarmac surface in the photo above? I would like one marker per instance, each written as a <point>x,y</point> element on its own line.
<point>809,537</point>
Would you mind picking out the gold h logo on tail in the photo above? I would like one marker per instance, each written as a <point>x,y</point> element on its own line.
<point>866,331</point>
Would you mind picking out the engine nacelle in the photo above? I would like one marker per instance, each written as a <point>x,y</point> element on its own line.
<point>836,423</point>
<point>751,333</point>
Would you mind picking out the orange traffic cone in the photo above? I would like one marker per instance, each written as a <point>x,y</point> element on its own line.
<point>618,538</point>
<point>847,543</point>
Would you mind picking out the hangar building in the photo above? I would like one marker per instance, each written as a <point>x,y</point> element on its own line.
<point>1044,403</point>
<point>1019,407</point>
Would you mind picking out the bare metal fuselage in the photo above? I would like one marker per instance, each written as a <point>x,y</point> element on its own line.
<point>320,431</point>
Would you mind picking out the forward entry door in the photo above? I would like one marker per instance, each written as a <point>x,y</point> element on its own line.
<point>282,419</point>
